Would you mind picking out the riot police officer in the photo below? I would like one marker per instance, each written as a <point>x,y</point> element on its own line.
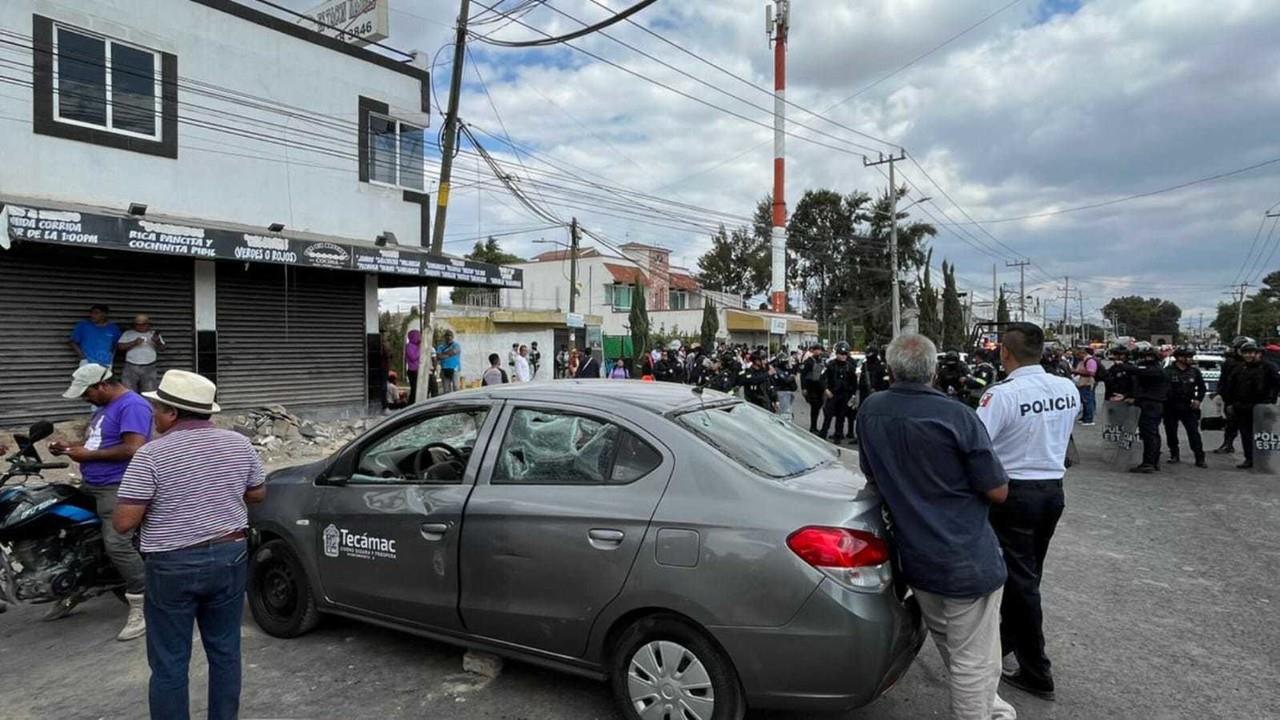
<point>875,375</point>
<point>1254,381</point>
<point>1118,379</point>
<point>1186,391</point>
<point>811,383</point>
<point>1229,365</point>
<point>1150,391</point>
<point>756,381</point>
<point>783,377</point>
<point>839,383</point>
<point>952,378</point>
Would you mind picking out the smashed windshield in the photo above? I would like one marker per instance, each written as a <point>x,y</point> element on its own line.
<point>740,431</point>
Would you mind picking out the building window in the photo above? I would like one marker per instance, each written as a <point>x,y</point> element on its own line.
<point>677,300</point>
<point>619,296</point>
<point>396,152</point>
<point>102,83</point>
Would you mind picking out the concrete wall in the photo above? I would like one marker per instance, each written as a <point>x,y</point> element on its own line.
<point>217,175</point>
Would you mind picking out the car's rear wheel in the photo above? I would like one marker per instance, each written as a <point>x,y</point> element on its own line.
<point>664,669</point>
<point>280,597</point>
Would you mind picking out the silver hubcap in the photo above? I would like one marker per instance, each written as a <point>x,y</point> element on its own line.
<point>668,682</point>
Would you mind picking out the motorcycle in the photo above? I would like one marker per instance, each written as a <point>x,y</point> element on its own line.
<point>50,534</point>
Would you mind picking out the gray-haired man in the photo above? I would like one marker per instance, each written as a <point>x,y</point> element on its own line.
<point>932,461</point>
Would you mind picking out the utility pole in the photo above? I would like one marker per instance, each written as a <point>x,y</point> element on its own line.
<point>1240,308</point>
<point>895,301</point>
<point>442,190</point>
<point>995,295</point>
<point>1022,286</point>
<point>1080,300</point>
<point>573,265</point>
<point>1066,309</point>
<point>777,25</point>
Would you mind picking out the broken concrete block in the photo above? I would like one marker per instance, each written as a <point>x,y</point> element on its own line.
<point>481,663</point>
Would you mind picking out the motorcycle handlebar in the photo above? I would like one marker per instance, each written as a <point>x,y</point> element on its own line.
<point>49,466</point>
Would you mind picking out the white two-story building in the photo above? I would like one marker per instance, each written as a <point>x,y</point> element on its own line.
<point>244,180</point>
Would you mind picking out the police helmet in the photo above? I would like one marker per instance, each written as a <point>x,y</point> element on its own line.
<point>952,357</point>
<point>1241,341</point>
<point>1184,351</point>
<point>1146,351</point>
<point>1119,349</point>
<point>1250,347</point>
<point>760,355</point>
<point>842,348</point>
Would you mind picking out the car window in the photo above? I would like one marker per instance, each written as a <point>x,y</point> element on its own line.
<point>435,449</point>
<point>560,448</point>
<point>738,430</point>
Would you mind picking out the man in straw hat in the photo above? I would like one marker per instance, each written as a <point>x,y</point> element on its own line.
<point>188,491</point>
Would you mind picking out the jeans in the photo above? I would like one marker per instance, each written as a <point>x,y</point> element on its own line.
<point>448,381</point>
<point>204,584</point>
<point>1176,413</point>
<point>1025,523</point>
<point>119,546</point>
<point>967,633</point>
<point>1149,430</point>
<point>1088,403</point>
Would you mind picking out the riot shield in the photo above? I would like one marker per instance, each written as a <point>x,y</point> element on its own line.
<point>1266,439</point>
<point>1121,446</point>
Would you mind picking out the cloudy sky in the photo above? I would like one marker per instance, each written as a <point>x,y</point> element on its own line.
<point>1013,109</point>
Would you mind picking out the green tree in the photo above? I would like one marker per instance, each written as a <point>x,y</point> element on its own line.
<point>710,325</point>
<point>952,311</point>
<point>638,322</point>
<point>1144,317</point>
<point>1261,312</point>
<point>737,263</point>
<point>927,302</point>
<point>1002,309</point>
<point>488,252</point>
<point>838,258</point>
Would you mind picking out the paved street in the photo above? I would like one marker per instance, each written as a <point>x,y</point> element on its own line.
<point>1160,600</point>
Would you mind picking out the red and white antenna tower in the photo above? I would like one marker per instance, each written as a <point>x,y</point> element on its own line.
<point>777,25</point>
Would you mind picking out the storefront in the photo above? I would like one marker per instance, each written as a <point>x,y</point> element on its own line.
<point>272,317</point>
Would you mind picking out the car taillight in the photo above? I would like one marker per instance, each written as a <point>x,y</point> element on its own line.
<point>856,559</point>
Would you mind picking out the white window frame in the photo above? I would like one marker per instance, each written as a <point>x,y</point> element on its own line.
<point>370,160</point>
<point>107,55</point>
<point>672,294</point>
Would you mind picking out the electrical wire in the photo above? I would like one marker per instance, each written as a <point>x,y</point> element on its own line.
<point>549,40</point>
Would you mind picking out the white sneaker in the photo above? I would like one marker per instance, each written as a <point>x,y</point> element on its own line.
<point>135,626</point>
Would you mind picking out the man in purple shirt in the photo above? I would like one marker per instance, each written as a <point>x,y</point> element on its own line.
<point>119,426</point>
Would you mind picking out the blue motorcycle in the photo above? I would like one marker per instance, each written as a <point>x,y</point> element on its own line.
<point>50,535</point>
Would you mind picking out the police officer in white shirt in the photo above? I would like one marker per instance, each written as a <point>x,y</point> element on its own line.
<point>1029,416</point>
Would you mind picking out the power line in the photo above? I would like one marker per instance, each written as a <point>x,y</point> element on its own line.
<point>549,40</point>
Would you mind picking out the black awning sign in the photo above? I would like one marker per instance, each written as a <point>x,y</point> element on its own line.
<point>67,227</point>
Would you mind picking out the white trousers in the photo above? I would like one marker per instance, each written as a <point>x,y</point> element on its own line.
<point>967,633</point>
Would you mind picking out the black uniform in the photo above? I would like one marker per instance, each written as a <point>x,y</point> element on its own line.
<point>757,387</point>
<point>1229,366</point>
<point>721,379</point>
<point>953,379</point>
<point>1251,384</point>
<point>875,377</point>
<point>668,370</point>
<point>811,383</point>
<point>1150,390</point>
<point>1185,387</point>
<point>1118,380</point>
<point>841,380</point>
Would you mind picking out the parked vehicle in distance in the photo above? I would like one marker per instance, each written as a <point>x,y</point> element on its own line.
<point>700,554</point>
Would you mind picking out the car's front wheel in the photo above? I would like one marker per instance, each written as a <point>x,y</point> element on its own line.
<point>280,597</point>
<point>664,669</point>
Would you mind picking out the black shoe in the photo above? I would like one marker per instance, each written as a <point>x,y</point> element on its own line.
<point>837,439</point>
<point>1224,450</point>
<point>1174,459</point>
<point>1144,468</point>
<point>1023,683</point>
<point>1244,465</point>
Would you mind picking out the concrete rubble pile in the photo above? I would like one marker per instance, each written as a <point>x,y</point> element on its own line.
<point>282,437</point>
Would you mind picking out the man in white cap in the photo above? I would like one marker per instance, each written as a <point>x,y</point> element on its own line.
<point>120,424</point>
<point>188,491</point>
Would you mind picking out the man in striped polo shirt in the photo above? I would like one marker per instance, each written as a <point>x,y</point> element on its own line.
<point>188,491</point>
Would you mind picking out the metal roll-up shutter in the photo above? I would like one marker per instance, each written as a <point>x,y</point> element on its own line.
<point>45,290</point>
<point>293,336</point>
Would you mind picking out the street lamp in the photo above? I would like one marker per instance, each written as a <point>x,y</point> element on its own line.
<point>926,198</point>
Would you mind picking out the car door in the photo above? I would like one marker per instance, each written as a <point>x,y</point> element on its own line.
<point>390,511</point>
<point>555,523</point>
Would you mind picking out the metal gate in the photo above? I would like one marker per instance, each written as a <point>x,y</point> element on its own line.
<point>45,290</point>
<point>293,336</point>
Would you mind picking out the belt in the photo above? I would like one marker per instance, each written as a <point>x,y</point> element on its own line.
<point>1057,482</point>
<point>232,536</point>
